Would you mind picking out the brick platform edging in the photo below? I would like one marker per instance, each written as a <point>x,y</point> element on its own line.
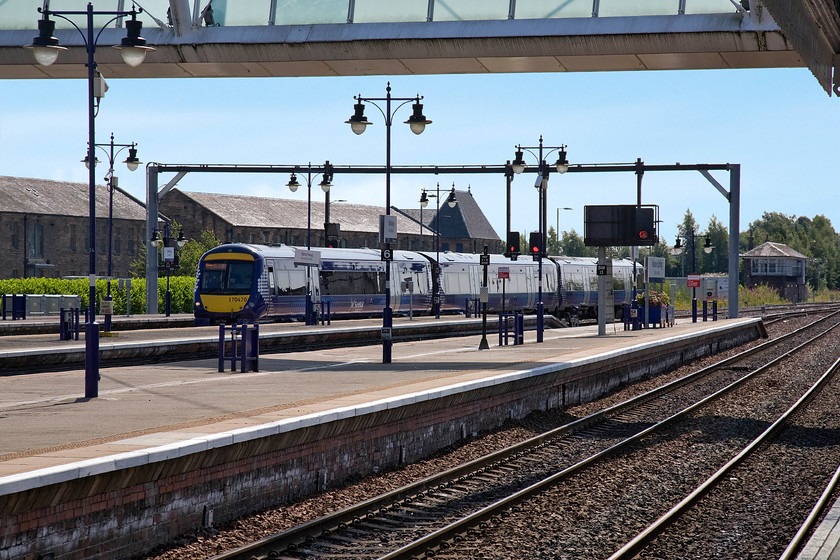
<point>93,510</point>
<point>91,467</point>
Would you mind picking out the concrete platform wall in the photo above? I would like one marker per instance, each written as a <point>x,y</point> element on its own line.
<point>126,511</point>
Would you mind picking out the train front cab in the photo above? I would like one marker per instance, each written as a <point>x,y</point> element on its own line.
<point>226,286</point>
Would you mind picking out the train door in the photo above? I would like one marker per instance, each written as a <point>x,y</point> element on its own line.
<point>395,285</point>
<point>271,296</point>
<point>313,274</point>
<point>530,288</point>
<point>476,277</point>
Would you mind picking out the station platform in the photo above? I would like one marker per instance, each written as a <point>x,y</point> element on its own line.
<point>162,443</point>
<point>176,401</point>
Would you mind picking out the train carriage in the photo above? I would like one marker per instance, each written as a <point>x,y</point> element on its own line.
<point>246,283</point>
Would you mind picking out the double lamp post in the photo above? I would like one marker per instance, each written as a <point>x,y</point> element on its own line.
<point>358,123</point>
<point>451,201</point>
<point>518,166</point>
<point>326,183</point>
<point>132,162</point>
<point>46,49</point>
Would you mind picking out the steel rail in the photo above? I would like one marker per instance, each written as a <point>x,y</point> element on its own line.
<point>450,531</point>
<point>819,508</point>
<point>300,534</point>
<point>632,548</point>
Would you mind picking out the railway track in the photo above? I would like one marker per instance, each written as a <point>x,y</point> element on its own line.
<point>456,504</point>
<point>693,527</point>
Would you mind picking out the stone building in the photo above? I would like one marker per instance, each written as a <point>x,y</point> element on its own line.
<point>44,225</point>
<point>272,221</point>
<point>778,266</point>
<point>44,229</point>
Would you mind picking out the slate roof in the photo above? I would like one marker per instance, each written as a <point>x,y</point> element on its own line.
<point>25,195</point>
<point>466,220</point>
<point>265,212</point>
<point>770,249</point>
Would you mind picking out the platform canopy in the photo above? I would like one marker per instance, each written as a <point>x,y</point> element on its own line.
<point>227,38</point>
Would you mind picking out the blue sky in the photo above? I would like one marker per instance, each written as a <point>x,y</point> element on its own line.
<point>777,123</point>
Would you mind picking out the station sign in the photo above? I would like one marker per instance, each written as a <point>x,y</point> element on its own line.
<point>306,257</point>
<point>386,255</point>
<point>169,254</point>
<point>484,260</point>
<point>693,280</point>
<point>504,273</point>
<point>387,228</point>
<point>655,269</point>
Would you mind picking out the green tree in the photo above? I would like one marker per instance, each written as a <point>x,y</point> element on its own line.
<point>192,251</point>
<point>552,243</point>
<point>571,245</point>
<point>815,238</point>
<point>718,259</point>
<point>188,255</point>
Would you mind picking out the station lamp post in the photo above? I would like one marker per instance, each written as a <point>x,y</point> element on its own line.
<point>358,123</point>
<point>46,49</point>
<point>518,166</point>
<point>169,255</point>
<point>325,184</point>
<point>132,162</point>
<point>451,201</point>
<point>691,239</point>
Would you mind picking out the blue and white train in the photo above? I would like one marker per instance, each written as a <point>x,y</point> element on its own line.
<point>248,283</point>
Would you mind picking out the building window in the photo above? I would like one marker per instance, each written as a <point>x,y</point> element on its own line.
<point>73,238</point>
<point>130,241</point>
<point>15,237</point>
<point>117,240</point>
<point>36,241</point>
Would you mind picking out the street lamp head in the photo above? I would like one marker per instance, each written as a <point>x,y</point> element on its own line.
<point>417,121</point>
<point>133,47</point>
<point>424,199</point>
<point>155,241</point>
<point>358,122</point>
<point>132,161</point>
<point>518,164</point>
<point>45,47</point>
<point>325,184</point>
<point>181,241</point>
<point>678,246</point>
<point>451,200</point>
<point>707,248</point>
<point>562,163</point>
<point>86,161</point>
<point>293,183</point>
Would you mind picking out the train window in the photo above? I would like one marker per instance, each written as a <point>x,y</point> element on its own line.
<point>226,277</point>
<point>351,282</point>
<point>618,278</point>
<point>291,282</point>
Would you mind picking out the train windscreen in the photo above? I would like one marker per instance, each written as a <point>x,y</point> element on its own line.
<point>226,277</point>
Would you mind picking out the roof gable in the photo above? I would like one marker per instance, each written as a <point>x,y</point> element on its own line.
<point>773,250</point>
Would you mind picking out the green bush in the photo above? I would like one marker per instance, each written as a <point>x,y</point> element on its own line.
<point>181,288</point>
<point>760,295</point>
<point>655,299</point>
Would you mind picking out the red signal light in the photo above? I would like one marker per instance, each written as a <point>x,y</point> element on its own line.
<point>643,234</point>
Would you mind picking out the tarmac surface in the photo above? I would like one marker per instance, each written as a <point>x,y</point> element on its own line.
<point>45,419</point>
